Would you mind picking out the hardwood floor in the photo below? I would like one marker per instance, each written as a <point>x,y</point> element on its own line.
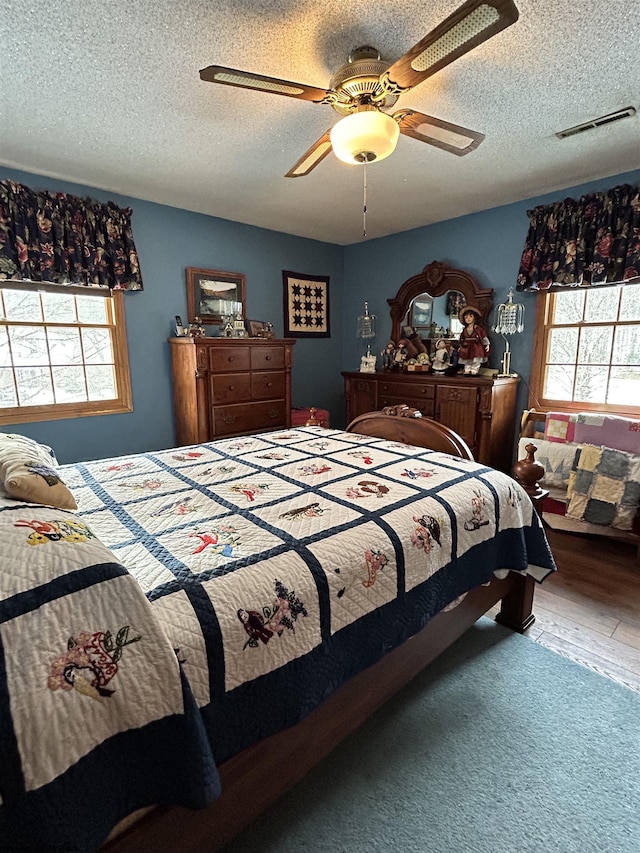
<point>589,610</point>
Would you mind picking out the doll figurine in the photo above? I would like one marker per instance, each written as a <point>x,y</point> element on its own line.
<point>440,358</point>
<point>387,355</point>
<point>474,343</point>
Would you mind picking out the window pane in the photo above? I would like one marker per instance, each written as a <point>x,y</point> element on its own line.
<point>69,384</point>
<point>563,346</point>
<point>602,304</point>
<point>559,382</point>
<point>91,309</point>
<point>101,382</point>
<point>591,384</point>
<point>22,305</point>
<point>595,345</point>
<point>568,307</point>
<point>34,386</point>
<point>29,345</point>
<point>5,354</point>
<point>59,307</point>
<point>7,389</point>
<point>97,346</point>
<point>630,302</point>
<point>64,346</point>
<point>626,346</point>
<point>624,386</point>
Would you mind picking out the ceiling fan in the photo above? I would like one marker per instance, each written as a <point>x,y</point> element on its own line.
<point>365,87</point>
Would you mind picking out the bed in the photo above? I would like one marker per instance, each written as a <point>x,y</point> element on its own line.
<point>212,620</point>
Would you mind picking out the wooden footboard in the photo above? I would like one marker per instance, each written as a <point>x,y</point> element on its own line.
<point>254,779</point>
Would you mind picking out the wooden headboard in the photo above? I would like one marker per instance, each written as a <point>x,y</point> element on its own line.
<point>406,425</point>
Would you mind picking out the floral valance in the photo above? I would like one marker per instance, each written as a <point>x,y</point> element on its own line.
<point>56,237</point>
<point>594,240</point>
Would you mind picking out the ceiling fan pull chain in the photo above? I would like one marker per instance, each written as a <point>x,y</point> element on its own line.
<point>364,200</point>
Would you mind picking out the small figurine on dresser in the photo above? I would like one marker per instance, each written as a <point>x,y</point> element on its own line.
<point>440,359</point>
<point>387,355</point>
<point>414,339</point>
<point>474,343</point>
<point>400,354</point>
<point>196,329</point>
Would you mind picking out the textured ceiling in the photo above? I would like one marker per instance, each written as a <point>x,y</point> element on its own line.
<point>107,93</point>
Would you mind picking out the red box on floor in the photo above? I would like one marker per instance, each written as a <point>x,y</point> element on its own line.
<point>300,416</point>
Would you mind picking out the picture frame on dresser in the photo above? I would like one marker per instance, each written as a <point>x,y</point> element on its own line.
<point>256,328</point>
<point>214,294</point>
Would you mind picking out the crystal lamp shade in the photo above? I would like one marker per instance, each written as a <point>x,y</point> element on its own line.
<point>364,136</point>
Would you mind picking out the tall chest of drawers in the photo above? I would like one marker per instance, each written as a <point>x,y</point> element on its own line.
<point>226,386</point>
<point>480,409</point>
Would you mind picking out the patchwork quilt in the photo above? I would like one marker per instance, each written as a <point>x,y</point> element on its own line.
<point>604,487</point>
<point>242,582</point>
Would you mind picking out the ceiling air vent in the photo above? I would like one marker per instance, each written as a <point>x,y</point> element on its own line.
<point>596,122</point>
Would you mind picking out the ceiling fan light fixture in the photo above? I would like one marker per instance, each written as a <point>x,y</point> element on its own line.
<point>365,136</point>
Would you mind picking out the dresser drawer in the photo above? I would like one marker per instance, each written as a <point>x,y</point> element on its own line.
<point>407,389</point>
<point>250,417</point>
<point>233,359</point>
<point>230,388</point>
<point>267,385</point>
<point>267,358</point>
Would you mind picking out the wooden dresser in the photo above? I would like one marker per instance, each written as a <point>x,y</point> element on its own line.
<point>227,386</point>
<point>480,409</point>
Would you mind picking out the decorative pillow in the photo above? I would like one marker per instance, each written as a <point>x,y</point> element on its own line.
<point>27,473</point>
<point>604,486</point>
<point>559,426</point>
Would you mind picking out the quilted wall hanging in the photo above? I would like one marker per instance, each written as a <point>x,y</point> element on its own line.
<point>306,305</point>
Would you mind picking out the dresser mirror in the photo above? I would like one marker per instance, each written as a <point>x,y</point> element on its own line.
<point>432,297</point>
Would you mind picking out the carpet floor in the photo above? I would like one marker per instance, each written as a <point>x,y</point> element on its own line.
<point>502,746</point>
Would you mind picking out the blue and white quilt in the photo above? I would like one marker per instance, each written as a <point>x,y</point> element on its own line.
<point>245,580</point>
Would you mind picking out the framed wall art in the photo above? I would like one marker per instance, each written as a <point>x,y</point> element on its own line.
<point>306,305</point>
<point>213,294</point>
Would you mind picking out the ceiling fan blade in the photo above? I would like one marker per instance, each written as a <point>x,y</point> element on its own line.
<point>310,159</point>
<point>470,25</point>
<point>449,137</point>
<point>248,80</point>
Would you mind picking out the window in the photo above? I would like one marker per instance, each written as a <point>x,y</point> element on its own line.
<point>587,350</point>
<point>63,353</point>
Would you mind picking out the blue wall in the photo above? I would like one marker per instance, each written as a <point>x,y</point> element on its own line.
<point>168,240</point>
<point>488,245</point>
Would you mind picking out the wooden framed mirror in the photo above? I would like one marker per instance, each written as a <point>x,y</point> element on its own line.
<point>438,281</point>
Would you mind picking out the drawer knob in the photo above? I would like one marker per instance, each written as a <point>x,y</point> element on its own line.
<point>230,358</point>
<point>229,419</point>
<point>267,358</point>
<point>269,384</point>
<point>232,387</point>
<point>273,414</point>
